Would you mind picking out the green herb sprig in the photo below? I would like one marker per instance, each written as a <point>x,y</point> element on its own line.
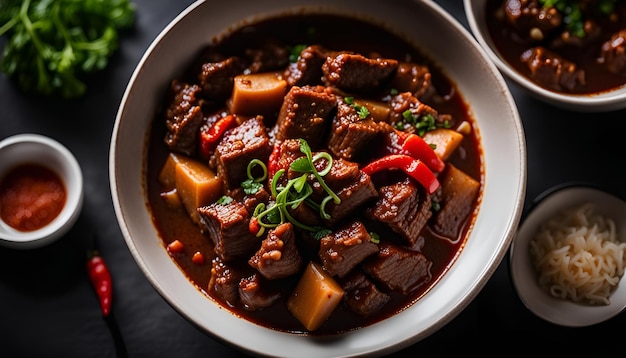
<point>54,44</point>
<point>297,191</point>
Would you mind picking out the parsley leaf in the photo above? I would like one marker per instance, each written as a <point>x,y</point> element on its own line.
<point>53,45</point>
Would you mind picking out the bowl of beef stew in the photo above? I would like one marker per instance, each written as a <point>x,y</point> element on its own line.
<point>338,189</point>
<point>569,53</point>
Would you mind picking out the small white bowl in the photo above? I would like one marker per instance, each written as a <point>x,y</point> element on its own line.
<point>475,11</point>
<point>555,310</point>
<point>38,149</point>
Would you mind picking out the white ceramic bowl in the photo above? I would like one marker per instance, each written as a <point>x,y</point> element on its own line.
<point>38,149</point>
<point>542,304</point>
<point>449,45</point>
<point>475,11</point>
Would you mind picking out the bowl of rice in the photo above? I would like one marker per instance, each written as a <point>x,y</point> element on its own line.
<point>569,256</point>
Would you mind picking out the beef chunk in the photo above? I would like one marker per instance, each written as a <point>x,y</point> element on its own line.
<point>397,268</point>
<point>614,53</point>
<point>351,185</point>
<point>405,207</point>
<point>238,147</point>
<point>217,78</point>
<point>411,77</point>
<point>278,256</point>
<point>458,191</point>
<point>254,293</point>
<point>526,15</point>
<point>551,70</point>
<point>227,225</point>
<point>344,249</point>
<point>354,72</point>
<point>183,119</point>
<point>225,280</point>
<point>408,110</point>
<point>308,68</point>
<point>305,113</point>
<point>351,136</point>
<point>250,201</point>
<point>362,296</point>
<point>270,57</point>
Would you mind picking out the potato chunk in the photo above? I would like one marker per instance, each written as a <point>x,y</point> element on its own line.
<point>258,93</point>
<point>445,140</point>
<point>196,184</point>
<point>316,296</point>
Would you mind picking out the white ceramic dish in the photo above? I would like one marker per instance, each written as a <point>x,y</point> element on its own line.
<point>542,304</point>
<point>504,157</point>
<point>34,148</point>
<point>607,101</point>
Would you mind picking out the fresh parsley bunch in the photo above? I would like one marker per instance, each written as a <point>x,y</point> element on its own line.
<point>52,45</point>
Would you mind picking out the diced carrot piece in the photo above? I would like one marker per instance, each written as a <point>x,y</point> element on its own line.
<point>316,296</point>
<point>445,140</point>
<point>258,93</point>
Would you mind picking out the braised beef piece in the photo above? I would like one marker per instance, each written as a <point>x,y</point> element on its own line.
<point>398,268</point>
<point>456,195</point>
<point>552,70</point>
<point>183,118</point>
<point>250,201</point>
<point>362,296</point>
<point>254,293</point>
<point>351,185</point>
<point>217,78</point>
<point>526,15</point>
<point>227,225</point>
<point>224,281</point>
<point>278,256</point>
<point>411,77</point>
<point>404,207</point>
<point>406,103</point>
<point>269,57</point>
<point>357,73</point>
<point>352,136</point>
<point>344,249</point>
<point>305,113</point>
<point>307,70</point>
<point>613,54</point>
<point>238,147</point>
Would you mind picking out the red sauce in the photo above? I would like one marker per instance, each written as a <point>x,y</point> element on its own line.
<point>31,196</point>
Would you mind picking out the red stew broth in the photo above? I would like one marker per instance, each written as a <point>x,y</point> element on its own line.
<point>341,34</point>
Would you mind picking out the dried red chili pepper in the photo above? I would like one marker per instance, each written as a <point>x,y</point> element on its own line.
<point>413,167</point>
<point>100,278</point>
<point>211,137</point>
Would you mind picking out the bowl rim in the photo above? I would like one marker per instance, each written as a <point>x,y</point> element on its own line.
<point>599,102</point>
<point>349,343</point>
<point>53,155</point>
<point>547,204</point>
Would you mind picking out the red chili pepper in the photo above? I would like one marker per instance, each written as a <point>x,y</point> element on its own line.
<point>399,142</point>
<point>100,278</point>
<point>272,164</point>
<point>413,167</point>
<point>254,226</point>
<point>211,137</point>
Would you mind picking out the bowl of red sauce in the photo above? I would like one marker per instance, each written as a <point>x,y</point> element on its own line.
<point>41,191</point>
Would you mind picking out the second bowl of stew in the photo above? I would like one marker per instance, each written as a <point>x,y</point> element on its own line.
<point>571,54</point>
